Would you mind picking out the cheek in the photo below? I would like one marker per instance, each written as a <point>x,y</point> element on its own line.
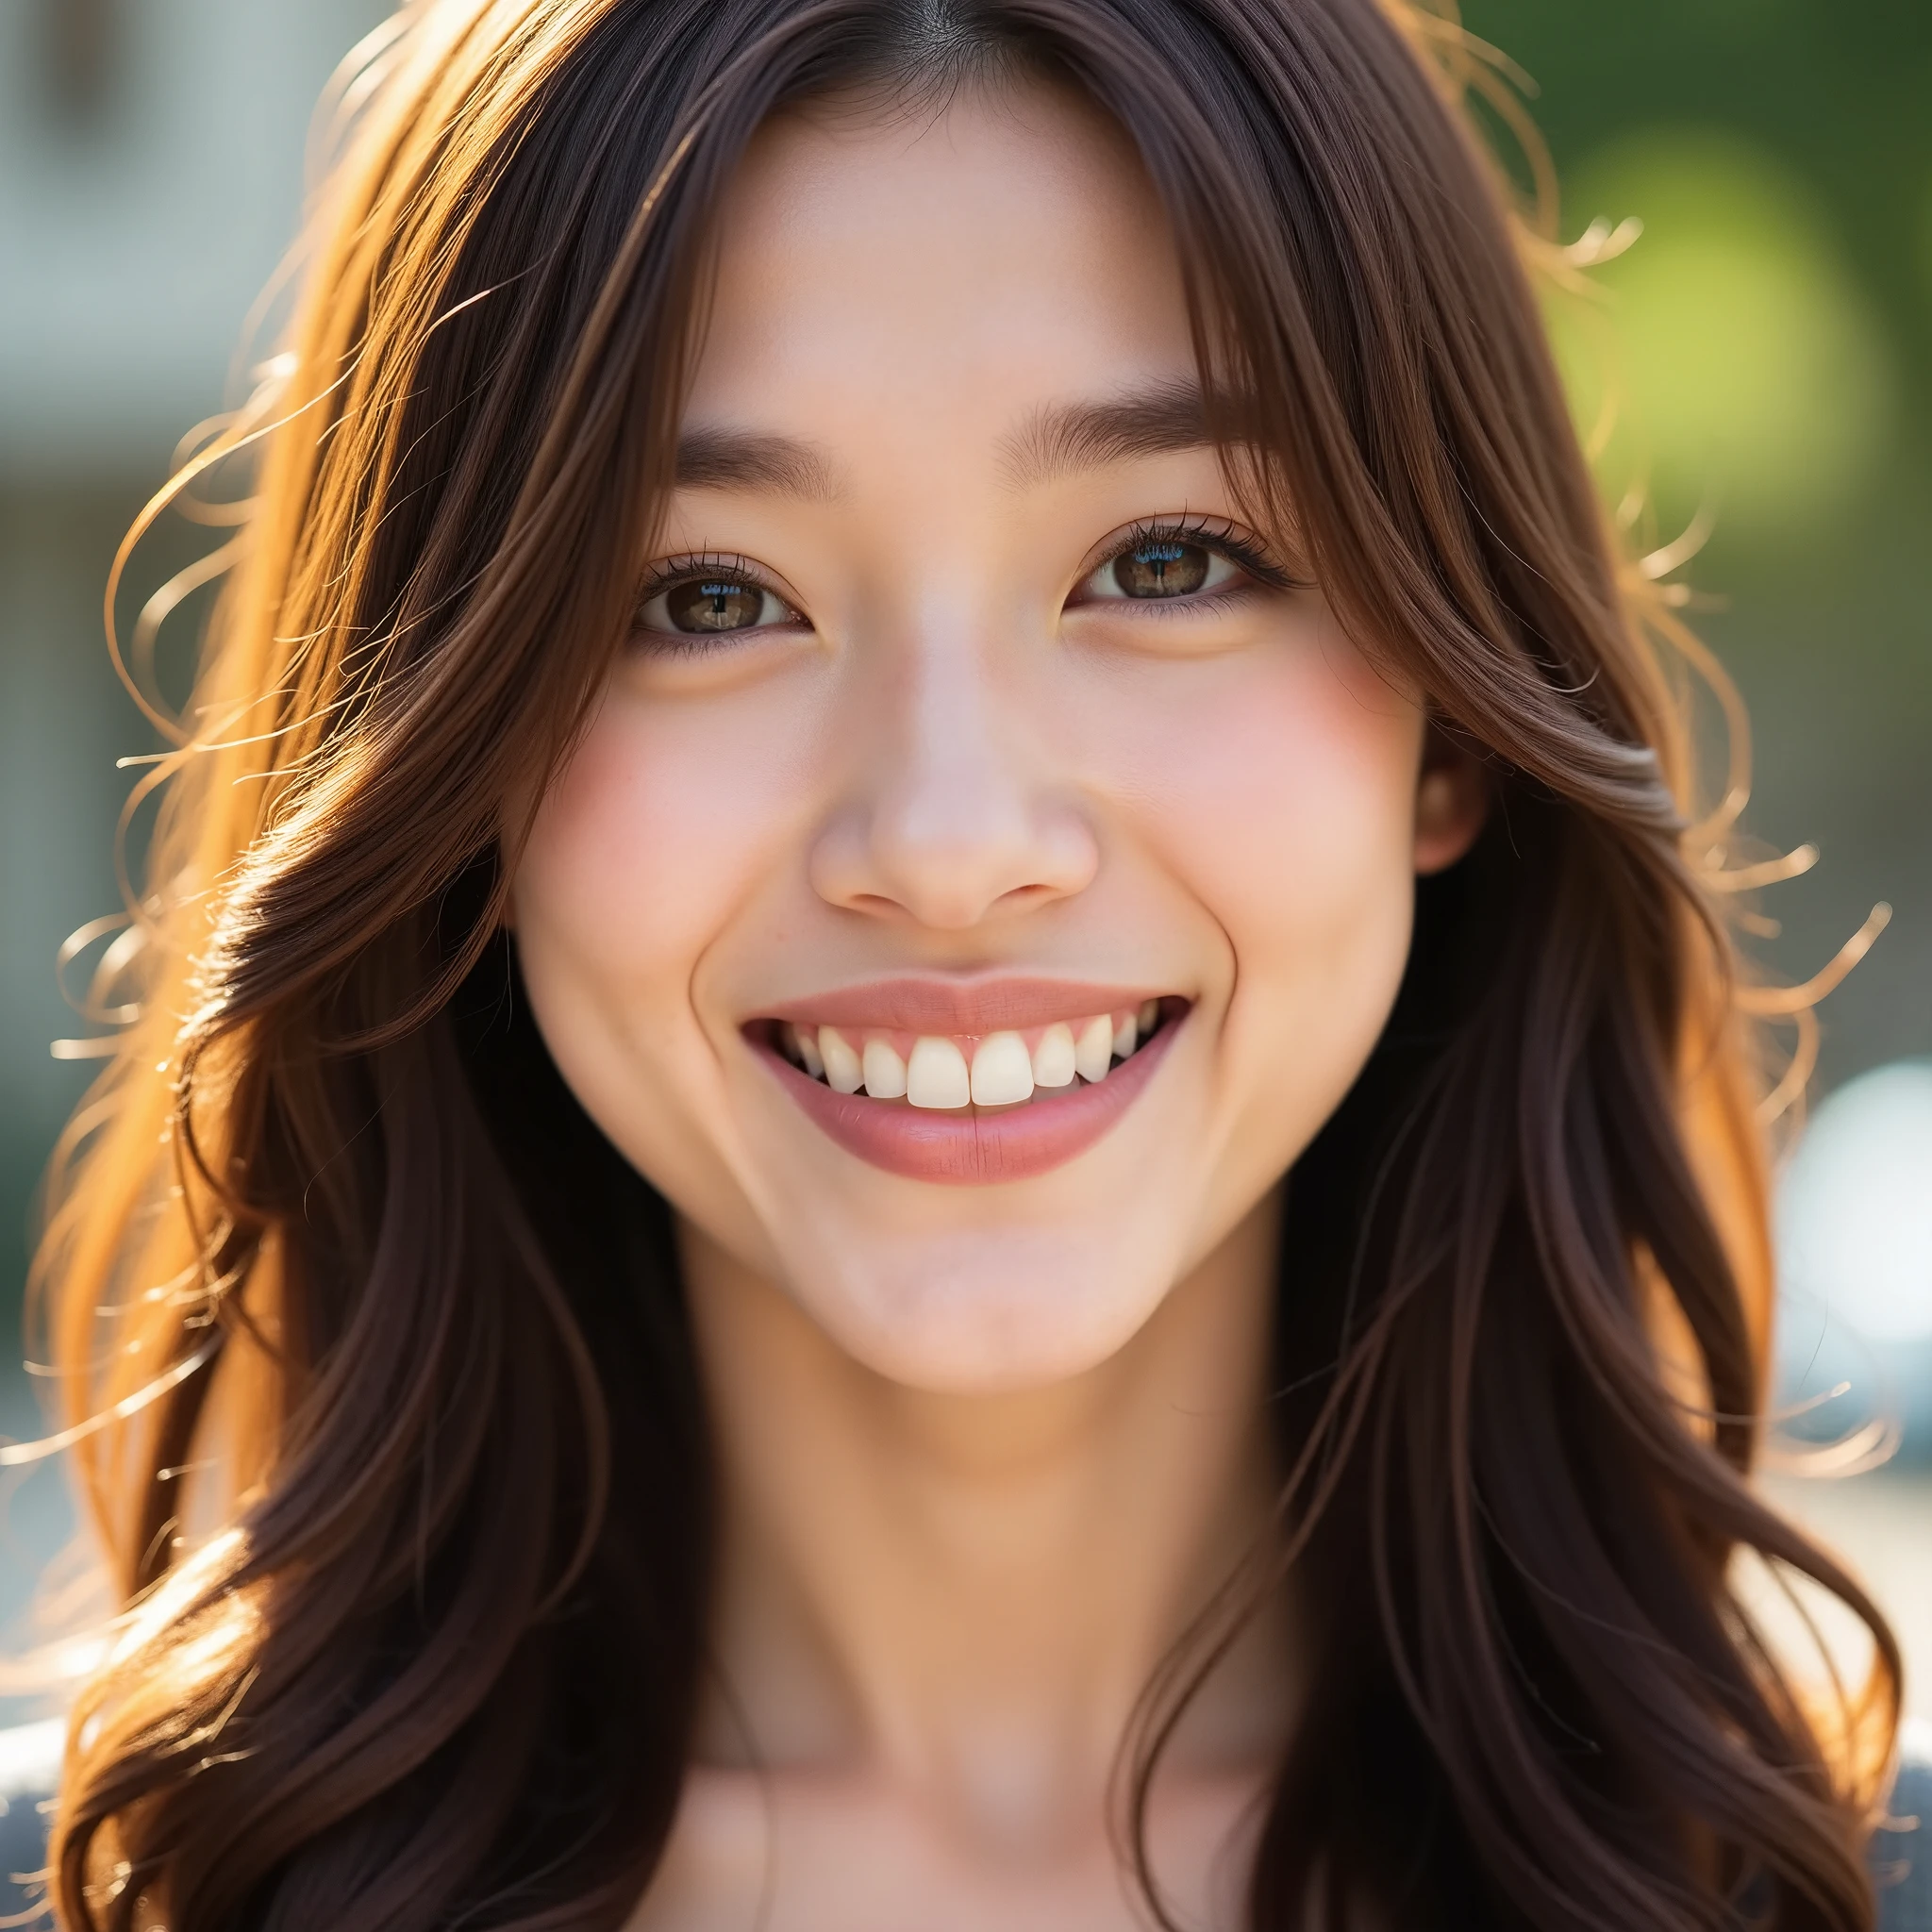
<point>663,822</point>
<point>1281,793</point>
<point>1278,792</point>
<point>667,820</point>
<point>1287,812</point>
<point>1302,826</point>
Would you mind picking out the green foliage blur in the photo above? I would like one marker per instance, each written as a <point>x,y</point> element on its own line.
<point>1765,334</point>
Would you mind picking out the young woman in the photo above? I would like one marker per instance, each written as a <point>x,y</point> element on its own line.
<point>937,1119</point>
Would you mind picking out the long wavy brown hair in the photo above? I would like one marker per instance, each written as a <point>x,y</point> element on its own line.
<point>393,1430</point>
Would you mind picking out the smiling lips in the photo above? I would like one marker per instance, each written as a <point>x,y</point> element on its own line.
<point>948,1082</point>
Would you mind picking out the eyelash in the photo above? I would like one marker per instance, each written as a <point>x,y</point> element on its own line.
<point>693,563</point>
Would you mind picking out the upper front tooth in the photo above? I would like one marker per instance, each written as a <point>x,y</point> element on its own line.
<point>1053,1059</point>
<point>808,1046</point>
<point>1002,1070</point>
<point>1126,1036</point>
<point>935,1077</point>
<point>843,1073</point>
<point>1150,1011</point>
<point>885,1072</point>
<point>1093,1049</point>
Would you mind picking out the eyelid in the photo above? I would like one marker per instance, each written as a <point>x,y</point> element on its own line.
<point>660,575</point>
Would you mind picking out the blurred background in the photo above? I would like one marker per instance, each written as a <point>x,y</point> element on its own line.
<point>1766,343</point>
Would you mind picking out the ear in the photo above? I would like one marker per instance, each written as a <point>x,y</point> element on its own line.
<point>1451,803</point>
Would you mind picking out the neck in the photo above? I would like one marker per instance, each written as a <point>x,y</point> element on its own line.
<point>971,1593</point>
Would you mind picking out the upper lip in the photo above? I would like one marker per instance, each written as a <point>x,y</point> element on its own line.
<point>992,1004</point>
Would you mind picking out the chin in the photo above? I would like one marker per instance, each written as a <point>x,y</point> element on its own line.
<point>986,1311</point>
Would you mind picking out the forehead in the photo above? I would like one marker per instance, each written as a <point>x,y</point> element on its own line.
<point>945,271</point>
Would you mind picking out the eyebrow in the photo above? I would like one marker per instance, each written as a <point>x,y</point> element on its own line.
<point>739,460</point>
<point>1055,440</point>
<point>1063,438</point>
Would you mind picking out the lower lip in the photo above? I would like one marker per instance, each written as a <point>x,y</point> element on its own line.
<point>965,1146</point>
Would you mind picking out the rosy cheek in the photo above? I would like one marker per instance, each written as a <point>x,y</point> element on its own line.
<point>665,818</point>
<point>1311,811</point>
<point>1279,791</point>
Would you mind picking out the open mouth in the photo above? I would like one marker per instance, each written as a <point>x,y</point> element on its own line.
<point>979,1106</point>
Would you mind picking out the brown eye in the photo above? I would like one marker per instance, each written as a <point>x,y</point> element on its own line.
<point>1162,568</point>
<point>713,604</point>
<point>1177,566</point>
<point>718,601</point>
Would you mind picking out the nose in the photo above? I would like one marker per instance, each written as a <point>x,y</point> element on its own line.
<point>954,816</point>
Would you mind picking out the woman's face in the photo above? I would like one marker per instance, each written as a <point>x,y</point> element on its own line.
<point>970,743</point>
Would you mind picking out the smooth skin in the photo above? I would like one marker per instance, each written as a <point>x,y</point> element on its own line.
<point>985,1448</point>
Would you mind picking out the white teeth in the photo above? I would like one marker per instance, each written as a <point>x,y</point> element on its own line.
<point>935,1077</point>
<point>1003,1073</point>
<point>844,1075</point>
<point>885,1072</point>
<point>1002,1070</point>
<point>1053,1059</point>
<point>805,1046</point>
<point>1093,1049</point>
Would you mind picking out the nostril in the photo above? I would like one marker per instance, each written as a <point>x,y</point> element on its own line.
<point>1020,897</point>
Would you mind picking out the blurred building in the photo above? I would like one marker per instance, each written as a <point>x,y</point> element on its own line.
<point>151,158</point>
